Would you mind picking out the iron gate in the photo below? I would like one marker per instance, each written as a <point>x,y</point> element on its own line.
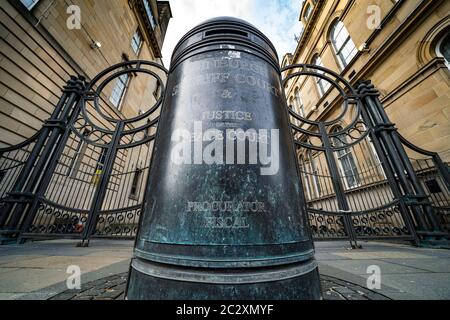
<point>83,175</point>
<point>359,181</point>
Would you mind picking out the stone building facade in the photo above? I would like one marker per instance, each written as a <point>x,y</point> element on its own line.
<point>403,48</point>
<point>405,55</point>
<point>44,42</point>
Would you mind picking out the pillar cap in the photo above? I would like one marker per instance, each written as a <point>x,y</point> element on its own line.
<point>225,31</point>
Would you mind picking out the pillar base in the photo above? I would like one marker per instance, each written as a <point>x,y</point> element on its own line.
<point>153,281</point>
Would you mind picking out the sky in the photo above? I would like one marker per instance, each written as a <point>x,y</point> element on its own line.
<point>277,19</point>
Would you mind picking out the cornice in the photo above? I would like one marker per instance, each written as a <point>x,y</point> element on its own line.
<point>141,15</point>
<point>309,28</point>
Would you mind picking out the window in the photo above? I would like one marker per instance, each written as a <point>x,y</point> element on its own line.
<point>375,156</point>
<point>151,18</point>
<point>310,176</point>
<point>291,108</point>
<point>308,12</point>
<point>347,163</point>
<point>119,90</point>
<point>322,84</point>
<point>303,169</point>
<point>136,42</point>
<point>135,183</point>
<point>29,4</point>
<point>443,49</point>
<point>300,109</point>
<point>315,174</point>
<point>343,44</point>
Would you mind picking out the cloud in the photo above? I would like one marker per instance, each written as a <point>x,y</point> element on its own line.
<point>277,19</point>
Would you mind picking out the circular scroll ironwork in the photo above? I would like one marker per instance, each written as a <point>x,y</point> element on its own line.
<point>99,135</point>
<point>355,129</point>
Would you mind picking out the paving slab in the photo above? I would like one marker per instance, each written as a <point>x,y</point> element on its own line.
<point>11,258</point>
<point>363,255</point>
<point>324,256</point>
<point>27,280</point>
<point>429,286</point>
<point>439,265</point>
<point>407,272</point>
<point>360,266</point>
<point>5,270</point>
<point>37,270</point>
<point>11,296</point>
<point>86,263</point>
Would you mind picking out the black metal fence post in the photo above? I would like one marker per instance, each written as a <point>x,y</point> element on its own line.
<point>100,192</point>
<point>28,167</point>
<point>414,193</point>
<point>338,187</point>
<point>389,174</point>
<point>15,212</point>
<point>70,115</point>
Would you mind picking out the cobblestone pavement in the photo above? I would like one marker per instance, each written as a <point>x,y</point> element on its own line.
<point>113,287</point>
<point>109,288</point>
<point>336,289</point>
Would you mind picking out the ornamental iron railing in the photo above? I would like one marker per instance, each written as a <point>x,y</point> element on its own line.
<point>84,174</point>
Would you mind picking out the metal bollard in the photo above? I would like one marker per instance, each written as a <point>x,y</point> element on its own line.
<point>224,215</point>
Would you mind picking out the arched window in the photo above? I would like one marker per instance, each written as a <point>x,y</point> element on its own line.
<point>314,174</point>
<point>443,48</point>
<point>300,109</point>
<point>322,84</point>
<point>119,89</point>
<point>303,164</point>
<point>343,44</point>
<point>347,164</point>
<point>308,11</point>
<point>292,107</point>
